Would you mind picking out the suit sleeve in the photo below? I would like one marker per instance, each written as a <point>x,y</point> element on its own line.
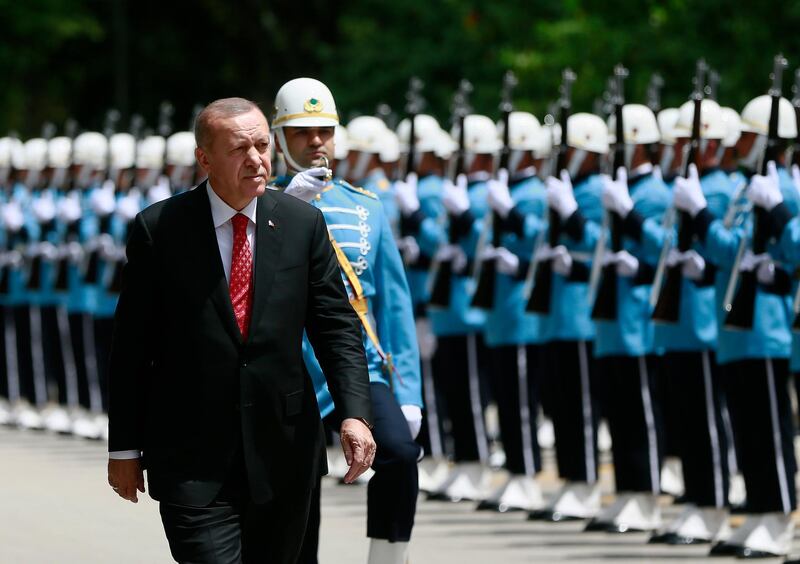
<point>334,330</point>
<point>131,350</point>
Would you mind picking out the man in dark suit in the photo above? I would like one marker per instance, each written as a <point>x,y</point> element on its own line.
<point>208,390</point>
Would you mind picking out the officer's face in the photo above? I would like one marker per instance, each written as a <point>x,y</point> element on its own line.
<point>237,158</point>
<point>308,145</point>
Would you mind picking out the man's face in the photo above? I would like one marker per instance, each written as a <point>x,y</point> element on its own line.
<point>237,158</point>
<point>308,145</point>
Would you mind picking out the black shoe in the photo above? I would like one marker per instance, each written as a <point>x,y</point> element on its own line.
<point>660,538</point>
<point>539,515</point>
<point>550,516</point>
<point>615,529</point>
<point>747,553</point>
<point>595,526</point>
<point>724,549</point>
<point>488,505</point>
<point>792,561</point>
<point>440,496</point>
<point>680,540</point>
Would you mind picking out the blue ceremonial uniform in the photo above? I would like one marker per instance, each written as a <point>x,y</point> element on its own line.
<point>424,227</point>
<point>377,183</point>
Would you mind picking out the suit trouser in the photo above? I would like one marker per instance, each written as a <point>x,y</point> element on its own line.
<point>761,412</point>
<point>700,425</point>
<point>392,491</point>
<point>512,373</point>
<point>459,364</point>
<point>671,400</point>
<point>568,365</point>
<point>234,530</point>
<point>632,421</point>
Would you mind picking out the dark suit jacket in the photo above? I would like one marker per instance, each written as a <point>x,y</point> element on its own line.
<point>187,391</point>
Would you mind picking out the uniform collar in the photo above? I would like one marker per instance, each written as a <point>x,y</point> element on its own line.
<point>222,212</point>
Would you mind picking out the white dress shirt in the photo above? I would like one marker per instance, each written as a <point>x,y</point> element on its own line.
<point>221,213</point>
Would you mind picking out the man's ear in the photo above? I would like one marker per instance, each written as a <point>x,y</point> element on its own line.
<point>276,144</point>
<point>202,159</point>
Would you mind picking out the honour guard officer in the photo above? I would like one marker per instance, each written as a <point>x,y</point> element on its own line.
<point>180,161</point>
<point>150,153</point>
<point>689,363</point>
<point>460,355</point>
<point>574,194</point>
<point>513,337</point>
<point>667,160</point>
<point>366,139</point>
<point>342,149</point>
<point>372,271</point>
<point>755,353</point>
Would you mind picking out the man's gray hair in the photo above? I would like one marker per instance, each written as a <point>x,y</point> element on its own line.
<point>223,108</point>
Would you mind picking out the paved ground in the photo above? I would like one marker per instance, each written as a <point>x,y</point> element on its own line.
<point>55,507</point>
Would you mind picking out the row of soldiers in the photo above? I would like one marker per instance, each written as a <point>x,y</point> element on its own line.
<point>525,203</point>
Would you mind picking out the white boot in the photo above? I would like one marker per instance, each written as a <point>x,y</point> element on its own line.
<point>640,513</point>
<point>772,534</point>
<point>384,552</point>
<point>432,474</point>
<point>546,434</point>
<point>85,425</point>
<point>27,417</point>
<point>672,477</point>
<point>5,413</point>
<point>518,493</point>
<point>706,524</point>
<point>576,500</point>
<point>56,419</point>
<point>467,481</point>
<point>101,421</point>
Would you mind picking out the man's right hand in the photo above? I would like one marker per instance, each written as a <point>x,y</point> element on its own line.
<point>125,477</point>
<point>358,446</point>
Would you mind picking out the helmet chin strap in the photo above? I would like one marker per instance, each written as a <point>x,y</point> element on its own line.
<point>286,155</point>
<point>667,156</point>
<point>360,170</point>
<point>630,148</point>
<point>514,159</point>
<point>750,162</point>
<point>575,163</point>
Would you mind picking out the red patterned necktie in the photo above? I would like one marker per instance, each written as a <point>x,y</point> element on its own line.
<point>241,286</point>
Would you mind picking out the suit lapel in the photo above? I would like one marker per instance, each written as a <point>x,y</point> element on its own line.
<point>209,259</point>
<point>269,240</point>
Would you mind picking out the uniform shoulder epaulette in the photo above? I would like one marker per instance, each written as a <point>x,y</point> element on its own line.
<point>358,190</point>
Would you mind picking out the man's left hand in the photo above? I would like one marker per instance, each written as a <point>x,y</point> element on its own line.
<point>358,446</point>
<point>125,477</point>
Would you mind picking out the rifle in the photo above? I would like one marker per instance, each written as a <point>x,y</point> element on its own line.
<point>542,290</point>
<point>741,309</point>
<point>487,270</point>
<point>712,87</point>
<point>796,104</point>
<point>442,271</point>
<point>654,92</point>
<point>605,305</point>
<point>414,105</point>
<point>668,305</point>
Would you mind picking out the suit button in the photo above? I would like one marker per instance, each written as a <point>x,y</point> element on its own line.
<point>244,364</point>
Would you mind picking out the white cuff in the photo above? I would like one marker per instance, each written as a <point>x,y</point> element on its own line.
<point>124,454</point>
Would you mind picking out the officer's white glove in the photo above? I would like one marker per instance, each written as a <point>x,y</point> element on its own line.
<point>689,194</point>
<point>159,191</point>
<point>44,209</point>
<point>694,265</point>
<point>544,252</point>
<point>616,197</point>
<point>560,196</point>
<point>627,264</point>
<point>405,193</point>
<point>413,415</point>
<point>13,220</point>
<point>562,261</point>
<point>454,196</point>
<point>308,184</point>
<point>69,208</point>
<point>499,196</point>
<point>796,177</point>
<point>765,191</point>
<point>425,338</point>
<point>128,207</point>
<point>102,200</point>
<point>454,254</point>
<point>506,261</point>
<point>409,249</point>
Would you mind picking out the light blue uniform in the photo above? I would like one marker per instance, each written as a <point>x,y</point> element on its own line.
<point>18,294</point>
<point>356,220</point>
<point>426,233</point>
<point>631,334</point>
<point>83,298</point>
<point>790,248</point>
<point>377,183</point>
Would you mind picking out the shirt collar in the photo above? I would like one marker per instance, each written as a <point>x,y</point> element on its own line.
<point>222,212</point>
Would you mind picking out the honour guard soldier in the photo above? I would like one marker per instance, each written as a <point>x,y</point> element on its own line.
<point>179,161</point>
<point>150,153</point>
<point>366,139</point>
<point>372,271</point>
<point>667,161</point>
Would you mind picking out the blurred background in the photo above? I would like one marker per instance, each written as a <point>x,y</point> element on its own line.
<point>63,59</point>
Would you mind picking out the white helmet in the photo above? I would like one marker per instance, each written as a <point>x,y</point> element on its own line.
<point>36,154</point>
<point>90,150</point>
<point>587,132</point>
<point>667,118</point>
<point>58,152</point>
<point>365,134</point>
<point>17,149</point>
<point>733,127</point>
<point>390,147</point>
<point>639,121</point>
<point>543,142</point>
<point>712,125</point>
<point>5,151</point>
<point>426,133</point>
<point>523,131</point>
<point>150,153</point>
<point>304,102</point>
<point>180,148</point>
<point>445,145</point>
<point>341,143</point>
<point>480,135</point>
<point>123,150</point>
<point>755,117</point>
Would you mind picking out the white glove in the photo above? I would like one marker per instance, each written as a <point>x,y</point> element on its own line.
<point>69,208</point>
<point>128,207</point>
<point>506,261</point>
<point>159,191</point>
<point>413,415</point>
<point>544,252</point>
<point>693,265</point>
<point>12,217</point>
<point>562,261</point>
<point>560,196</point>
<point>689,194</point>
<point>796,177</point>
<point>454,254</point>
<point>499,196</point>
<point>102,200</point>
<point>44,209</point>
<point>405,193</point>
<point>627,264</point>
<point>616,197</point>
<point>454,196</point>
<point>766,272</point>
<point>765,191</point>
<point>308,184</point>
<point>409,249</point>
